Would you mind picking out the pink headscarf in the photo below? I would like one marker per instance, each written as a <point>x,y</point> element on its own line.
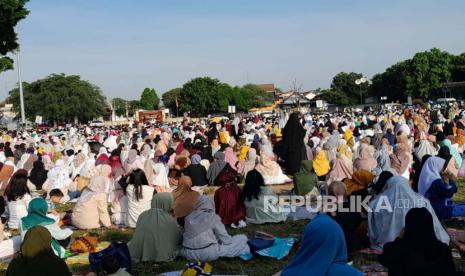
<point>230,157</point>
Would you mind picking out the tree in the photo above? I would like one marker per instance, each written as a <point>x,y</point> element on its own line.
<point>60,98</point>
<point>345,83</point>
<point>11,12</point>
<point>249,96</point>
<point>203,96</point>
<point>120,106</point>
<point>6,64</point>
<point>149,99</point>
<point>335,97</point>
<point>427,73</point>
<point>391,83</point>
<point>133,106</point>
<point>458,70</point>
<point>169,99</point>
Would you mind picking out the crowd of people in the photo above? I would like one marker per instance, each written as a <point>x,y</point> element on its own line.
<point>156,179</point>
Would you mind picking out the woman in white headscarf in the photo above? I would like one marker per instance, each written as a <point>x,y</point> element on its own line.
<point>58,178</point>
<point>160,179</point>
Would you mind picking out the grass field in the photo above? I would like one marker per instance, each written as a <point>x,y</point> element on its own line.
<point>257,266</point>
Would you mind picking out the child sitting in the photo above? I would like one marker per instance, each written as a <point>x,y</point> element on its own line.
<point>54,197</point>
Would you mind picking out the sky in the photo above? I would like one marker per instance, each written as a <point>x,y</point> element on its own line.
<point>123,46</point>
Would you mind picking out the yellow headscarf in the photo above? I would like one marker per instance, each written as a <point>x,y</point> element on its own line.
<point>348,135</point>
<point>321,164</point>
<point>224,137</point>
<point>243,152</point>
<point>344,150</point>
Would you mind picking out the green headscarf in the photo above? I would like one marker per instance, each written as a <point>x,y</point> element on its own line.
<point>36,214</point>
<point>157,235</point>
<point>305,179</point>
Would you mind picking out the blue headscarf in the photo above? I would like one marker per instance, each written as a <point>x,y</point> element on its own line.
<point>322,252</point>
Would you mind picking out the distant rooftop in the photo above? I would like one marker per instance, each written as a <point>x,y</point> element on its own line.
<point>268,87</point>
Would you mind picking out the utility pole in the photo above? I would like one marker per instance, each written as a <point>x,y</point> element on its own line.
<point>20,84</point>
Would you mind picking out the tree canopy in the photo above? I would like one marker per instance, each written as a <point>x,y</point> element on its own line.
<point>11,12</point>
<point>149,99</point>
<point>61,98</point>
<point>169,99</point>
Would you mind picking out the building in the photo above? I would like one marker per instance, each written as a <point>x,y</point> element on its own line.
<point>267,87</point>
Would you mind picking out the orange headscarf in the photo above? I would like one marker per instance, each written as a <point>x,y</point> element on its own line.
<point>360,180</point>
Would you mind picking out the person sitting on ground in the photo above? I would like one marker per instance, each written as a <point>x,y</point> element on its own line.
<point>349,221</point>
<point>139,195</point>
<point>157,236</point>
<point>229,205</point>
<point>322,251</point>
<point>37,256</point>
<point>184,199</point>
<point>216,167</point>
<point>321,164</point>
<point>417,250</point>
<point>389,210</point>
<point>196,171</point>
<point>91,209</point>
<point>205,237</point>
<point>439,186</point>
<point>37,215</point>
<point>270,169</point>
<point>18,197</point>
<point>359,183</point>
<point>305,179</point>
<point>255,195</point>
<point>8,246</point>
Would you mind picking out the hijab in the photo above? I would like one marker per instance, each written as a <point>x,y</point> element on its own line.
<point>430,171</point>
<point>58,176</point>
<point>453,152</point>
<point>250,161</point>
<point>184,197</point>
<point>28,165</point>
<point>322,252</point>
<point>267,166</point>
<point>38,174</point>
<point>161,179</point>
<point>360,180</point>
<point>37,214</point>
<point>195,159</point>
<point>385,224</point>
<point>321,163</point>
<point>305,179</point>
<point>37,255</point>
<point>365,160</point>
<point>202,218</point>
<point>424,148</point>
<point>344,150</point>
<point>97,185</point>
<point>341,168</point>
<point>230,158</point>
<point>400,159</point>
<point>216,167</point>
<point>384,160</point>
<point>157,235</point>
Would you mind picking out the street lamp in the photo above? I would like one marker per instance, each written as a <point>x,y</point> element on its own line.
<point>359,82</point>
